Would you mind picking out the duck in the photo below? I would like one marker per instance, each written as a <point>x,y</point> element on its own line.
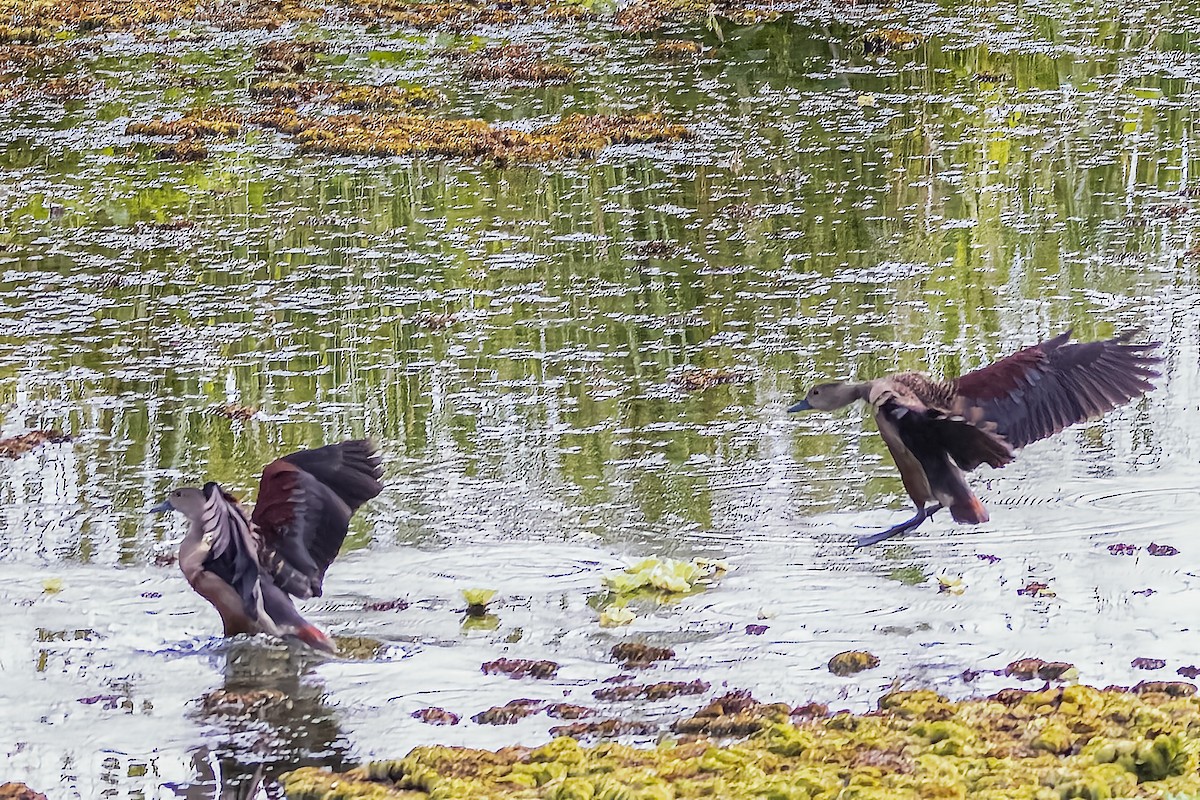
<point>937,430</point>
<point>250,566</point>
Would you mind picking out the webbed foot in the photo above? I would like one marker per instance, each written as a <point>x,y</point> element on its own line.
<point>907,526</point>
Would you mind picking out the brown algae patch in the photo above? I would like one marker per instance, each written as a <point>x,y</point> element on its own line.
<point>1025,669</point>
<point>43,20</point>
<point>735,714</point>
<point>633,655</point>
<point>852,661</point>
<point>698,380</point>
<point>517,63</point>
<point>17,446</point>
<point>393,134</point>
<point>1074,742</point>
<point>214,122</point>
<point>676,50</point>
<point>664,690</point>
<point>520,668</point>
<point>359,97</point>
<point>575,136</point>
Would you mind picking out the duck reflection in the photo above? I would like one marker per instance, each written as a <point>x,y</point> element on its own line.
<point>268,717</point>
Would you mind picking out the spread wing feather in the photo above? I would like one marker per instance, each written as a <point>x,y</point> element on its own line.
<point>1038,391</point>
<point>233,555</point>
<point>305,501</point>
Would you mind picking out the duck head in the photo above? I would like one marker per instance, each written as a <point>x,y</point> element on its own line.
<point>828,396</point>
<point>188,501</point>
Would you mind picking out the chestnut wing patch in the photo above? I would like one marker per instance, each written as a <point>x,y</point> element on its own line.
<point>304,507</point>
<point>1038,391</point>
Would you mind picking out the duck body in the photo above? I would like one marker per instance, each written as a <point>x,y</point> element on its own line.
<point>249,566</point>
<point>937,430</point>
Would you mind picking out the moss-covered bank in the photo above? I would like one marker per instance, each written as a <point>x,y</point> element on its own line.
<point>1057,743</point>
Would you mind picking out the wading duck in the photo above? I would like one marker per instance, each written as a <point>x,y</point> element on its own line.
<point>937,429</point>
<point>250,566</point>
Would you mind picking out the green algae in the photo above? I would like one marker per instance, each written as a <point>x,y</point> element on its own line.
<point>1072,742</point>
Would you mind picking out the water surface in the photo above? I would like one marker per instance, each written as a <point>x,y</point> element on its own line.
<point>836,214</point>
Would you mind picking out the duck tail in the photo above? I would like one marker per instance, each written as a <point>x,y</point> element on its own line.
<point>968,510</point>
<point>315,638</point>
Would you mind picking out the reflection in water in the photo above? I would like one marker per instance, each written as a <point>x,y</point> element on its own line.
<point>269,716</point>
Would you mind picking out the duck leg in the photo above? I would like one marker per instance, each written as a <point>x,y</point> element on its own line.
<point>907,526</point>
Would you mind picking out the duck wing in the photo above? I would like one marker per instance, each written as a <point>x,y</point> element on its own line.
<point>925,428</point>
<point>1038,391</point>
<point>228,549</point>
<point>305,501</point>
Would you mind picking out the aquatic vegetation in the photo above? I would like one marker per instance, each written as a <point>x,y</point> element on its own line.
<point>185,150</point>
<point>234,411</point>
<point>19,445</point>
<point>520,668</point>
<point>220,122</point>
<point>62,89</point>
<point>676,50</point>
<point>605,729</point>
<point>664,690</point>
<point>1028,668</point>
<point>1059,743</point>
<point>386,98</point>
<point>1123,549</point>
<point>568,711</point>
<point>697,380</point>
<point>756,630</point>
<point>615,616</point>
<point>509,713</point>
<point>662,574</point>
<point>360,648</point>
<point>1142,662</point>
<point>433,322</point>
<point>436,716</point>
<point>735,714</point>
<point>575,136</point>
<point>477,600</point>
<point>362,97</point>
<point>1172,688</point>
<point>656,248</point>
<point>1036,589</point>
<point>514,62</point>
<point>632,655</point>
<point>19,791</point>
<point>399,604</point>
<point>889,40</point>
<point>1161,550</point>
<point>24,35</point>
<point>42,21</point>
<point>852,661</point>
<point>1189,671</point>
<point>287,57</point>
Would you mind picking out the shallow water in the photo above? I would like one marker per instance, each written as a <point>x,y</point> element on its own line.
<point>835,215</point>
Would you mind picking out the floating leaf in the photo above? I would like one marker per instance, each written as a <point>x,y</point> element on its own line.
<point>951,585</point>
<point>478,598</point>
<point>613,617</point>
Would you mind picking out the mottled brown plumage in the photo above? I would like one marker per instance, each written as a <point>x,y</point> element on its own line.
<point>250,566</point>
<point>936,430</point>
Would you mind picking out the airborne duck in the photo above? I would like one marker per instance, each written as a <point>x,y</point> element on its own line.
<point>250,566</point>
<point>936,430</point>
